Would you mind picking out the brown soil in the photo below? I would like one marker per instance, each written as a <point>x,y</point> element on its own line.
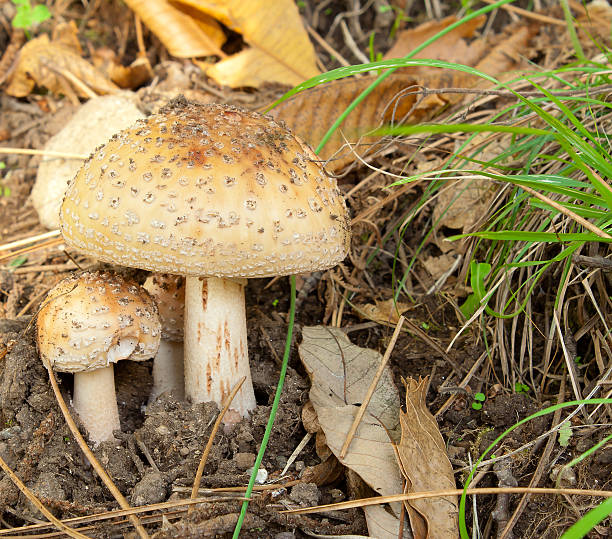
<point>160,448</point>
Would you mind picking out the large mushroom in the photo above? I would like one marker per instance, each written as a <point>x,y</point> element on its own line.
<point>87,323</point>
<point>218,194</point>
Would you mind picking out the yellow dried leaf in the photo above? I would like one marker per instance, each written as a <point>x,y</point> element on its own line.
<point>215,9</point>
<point>52,65</point>
<point>425,466</point>
<point>280,50</point>
<point>183,35</point>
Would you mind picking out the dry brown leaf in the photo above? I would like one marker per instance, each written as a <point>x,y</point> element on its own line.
<point>51,65</point>
<point>451,47</point>
<point>280,50</point>
<point>426,467</point>
<point>506,55</point>
<point>383,312</point>
<point>438,265</point>
<point>387,103</point>
<point>183,35</point>
<point>341,373</point>
<point>324,473</point>
<point>136,74</point>
<point>595,22</point>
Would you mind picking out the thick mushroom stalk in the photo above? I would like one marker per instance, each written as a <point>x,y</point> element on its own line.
<point>87,323</point>
<point>216,356</point>
<point>94,397</point>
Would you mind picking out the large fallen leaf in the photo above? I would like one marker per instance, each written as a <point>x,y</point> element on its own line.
<point>280,50</point>
<point>183,34</point>
<point>52,64</point>
<point>341,373</point>
<point>388,102</point>
<point>425,466</point>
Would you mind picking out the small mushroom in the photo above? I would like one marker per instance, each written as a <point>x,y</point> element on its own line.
<point>168,291</point>
<point>87,323</point>
<point>218,194</point>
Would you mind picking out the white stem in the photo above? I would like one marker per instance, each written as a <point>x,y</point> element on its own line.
<point>95,401</point>
<point>216,356</point>
<point>168,370</point>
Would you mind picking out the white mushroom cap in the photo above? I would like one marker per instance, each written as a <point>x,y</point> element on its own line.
<point>93,319</point>
<point>209,190</point>
<point>168,291</point>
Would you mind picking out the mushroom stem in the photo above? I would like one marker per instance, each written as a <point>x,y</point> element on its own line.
<point>216,356</point>
<point>95,401</point>
<point>168,370</point>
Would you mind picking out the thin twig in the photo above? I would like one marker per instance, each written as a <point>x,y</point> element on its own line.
<point>377,500</point>
<point>92,458</point>
<point>198,476</point>
<point>48,153</point>
<point>37,503</point>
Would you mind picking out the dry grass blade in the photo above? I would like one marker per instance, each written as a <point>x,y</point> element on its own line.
<point>198,476</point>
<point>586,224</point>
<point>30,240</point>
<point>91,457</point>
<point>49,243</point>
<point>37,503</point>
<point>372,388</point>
<point>48,153</point>
<point>377,500</point>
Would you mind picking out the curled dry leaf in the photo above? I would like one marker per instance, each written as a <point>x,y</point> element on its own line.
<point>383,312</point>
<point>280,50</point>
<point>53,65</point>
<point>184,35</point>
<point>340,373</point>
<point>425,466</point>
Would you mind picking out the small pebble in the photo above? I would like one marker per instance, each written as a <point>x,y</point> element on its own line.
<point>299,465</point>
<point>150,489</point>
<point>244,461</point>
<point>184,451</point>
<point>162,430</point>
<point>262,475</point>
<point>305,494</point>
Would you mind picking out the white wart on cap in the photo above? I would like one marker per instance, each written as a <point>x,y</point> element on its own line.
<point>209,191</point>
<point>87,323</point>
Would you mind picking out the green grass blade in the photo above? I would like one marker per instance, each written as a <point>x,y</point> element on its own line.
<point>275,403</point>
<point>462,502</point>
<point>589,521</point>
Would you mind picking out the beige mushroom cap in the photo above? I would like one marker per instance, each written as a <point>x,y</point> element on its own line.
<point>91,320</point>
<point>168,291</point>
<point>209,190</point>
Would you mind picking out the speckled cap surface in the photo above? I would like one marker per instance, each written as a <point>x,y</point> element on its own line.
<point>209,190</point>
<point>91,320</point>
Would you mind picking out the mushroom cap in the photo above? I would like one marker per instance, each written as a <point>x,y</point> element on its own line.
<point>93,319</point>
<point>210,190</point>
<point>168,291</point>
